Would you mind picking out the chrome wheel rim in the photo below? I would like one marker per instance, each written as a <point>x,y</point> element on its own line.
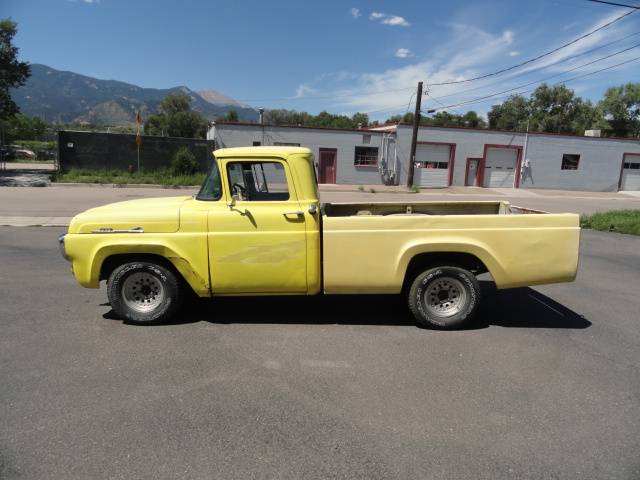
<point>445,297</point>
<point>142,292</point>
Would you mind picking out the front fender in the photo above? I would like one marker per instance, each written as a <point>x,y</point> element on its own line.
<point>186,252</point>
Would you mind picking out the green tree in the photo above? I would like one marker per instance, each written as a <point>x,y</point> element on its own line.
<point>512,114</point>
<point>473,120</point>
<point>557,109</point>
<point>13,73</point>
<point>554,109</point>
<point>21,127</point>
<point>443,119</point>
<point>184,162</point>
<point>621,110</point>
<point>323,119</point>
<point>176,119</point>
<point>231,116</point>
<point>176,103</point>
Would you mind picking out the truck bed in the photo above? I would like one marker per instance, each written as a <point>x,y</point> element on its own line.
<point>367,247</point>
<point>424,208</point>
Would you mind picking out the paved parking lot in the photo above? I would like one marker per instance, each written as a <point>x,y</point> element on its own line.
<point>546,384</point>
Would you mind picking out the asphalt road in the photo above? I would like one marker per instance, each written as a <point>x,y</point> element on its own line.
<point>546,384</point>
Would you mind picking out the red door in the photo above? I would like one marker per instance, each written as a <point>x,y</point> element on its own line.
<point>327,165</point>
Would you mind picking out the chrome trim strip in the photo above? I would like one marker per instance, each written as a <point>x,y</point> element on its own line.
<point>111,230</point>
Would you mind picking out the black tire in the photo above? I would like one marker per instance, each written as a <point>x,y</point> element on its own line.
<point>144,293</point>
<point>463,296</point>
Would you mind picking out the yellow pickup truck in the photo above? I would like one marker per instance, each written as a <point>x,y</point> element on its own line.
<point>256,227</point>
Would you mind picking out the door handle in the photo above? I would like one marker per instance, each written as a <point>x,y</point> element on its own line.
<point>291,214</point>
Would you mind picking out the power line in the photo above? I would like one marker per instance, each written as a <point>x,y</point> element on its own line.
<point>617,19</point>
<point>380,92</point>
<point>541,80</point>
<point>477,100</point>
<point>459,92</point>
<point>390,109</point>
<point>615,4</point>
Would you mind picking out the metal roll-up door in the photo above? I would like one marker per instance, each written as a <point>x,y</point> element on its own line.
<point>500,167</point>
<point>432,165</point>
<point>631,173</point>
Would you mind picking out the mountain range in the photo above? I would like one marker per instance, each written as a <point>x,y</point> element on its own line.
<point>68,97</point>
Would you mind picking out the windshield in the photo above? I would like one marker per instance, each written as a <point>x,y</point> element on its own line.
<point>211,188</point>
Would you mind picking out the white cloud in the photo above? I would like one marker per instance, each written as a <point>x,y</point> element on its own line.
<point>355,13</point>
<point>386,19</point>
<point>403,53</point>
<point>303,90</point>
<point>466,51</point>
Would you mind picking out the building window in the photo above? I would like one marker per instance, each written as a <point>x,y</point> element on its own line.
<point>366,157</point>
<point>631,166</point>
<point>570,161</point>
<point>438,165</point>
<point>286,144</point>
<point>257,144</point>
<point>366,139</point>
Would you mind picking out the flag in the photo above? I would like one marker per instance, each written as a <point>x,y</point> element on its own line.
<point>138,123</point>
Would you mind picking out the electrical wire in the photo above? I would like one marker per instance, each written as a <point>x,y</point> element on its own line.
<point>478,100</point>
<point>480,77</point>
<point>541,80</point>
<point>459,92</point>
<point>380,92</point>
<point>615,4</point>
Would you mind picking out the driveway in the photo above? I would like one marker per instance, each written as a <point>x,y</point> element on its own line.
<point>545,385</point>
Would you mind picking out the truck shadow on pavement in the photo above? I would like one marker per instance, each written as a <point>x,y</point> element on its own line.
<point>516,308</point>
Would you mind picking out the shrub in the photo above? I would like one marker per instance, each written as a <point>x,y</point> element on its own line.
<point>184,163</point>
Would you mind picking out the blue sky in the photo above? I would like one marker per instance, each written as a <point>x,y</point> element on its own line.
<point>342,56</point>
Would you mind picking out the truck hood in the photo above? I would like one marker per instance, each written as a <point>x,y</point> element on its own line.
<point>152,215</point>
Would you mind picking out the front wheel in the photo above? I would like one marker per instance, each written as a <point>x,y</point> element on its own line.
<point>444,297</point>
<point>144,293</point>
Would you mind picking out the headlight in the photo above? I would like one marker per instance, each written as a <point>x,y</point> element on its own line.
<point>61,247</point>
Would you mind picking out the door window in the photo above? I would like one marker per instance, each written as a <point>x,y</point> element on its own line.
<point>258,181</point>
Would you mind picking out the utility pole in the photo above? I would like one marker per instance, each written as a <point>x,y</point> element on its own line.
<point>414,138</point>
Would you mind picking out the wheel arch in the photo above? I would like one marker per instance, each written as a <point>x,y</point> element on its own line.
<point>469,257</point>
<point>109,257</point>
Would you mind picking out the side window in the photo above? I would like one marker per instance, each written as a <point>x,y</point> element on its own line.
<point>258,181</point>
<point>570,162</point>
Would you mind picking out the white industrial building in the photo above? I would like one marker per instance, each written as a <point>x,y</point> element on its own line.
<point>452,156</point>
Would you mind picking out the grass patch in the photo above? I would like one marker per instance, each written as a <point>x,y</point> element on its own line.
<point>121,177</point>
<point>619,221</point>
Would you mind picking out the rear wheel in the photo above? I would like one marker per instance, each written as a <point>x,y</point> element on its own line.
<point>444,297</point>
<point>144,293</point>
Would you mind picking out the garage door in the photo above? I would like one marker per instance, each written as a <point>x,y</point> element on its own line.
<point>432,165</point>
<point>500,167</point>
<point>631,173</point>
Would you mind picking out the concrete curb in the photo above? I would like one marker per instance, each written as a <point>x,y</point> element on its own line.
<point>124,185</point>
<point>22,221</point>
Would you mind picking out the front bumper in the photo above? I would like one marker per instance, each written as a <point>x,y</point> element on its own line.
<point>61,247</point>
